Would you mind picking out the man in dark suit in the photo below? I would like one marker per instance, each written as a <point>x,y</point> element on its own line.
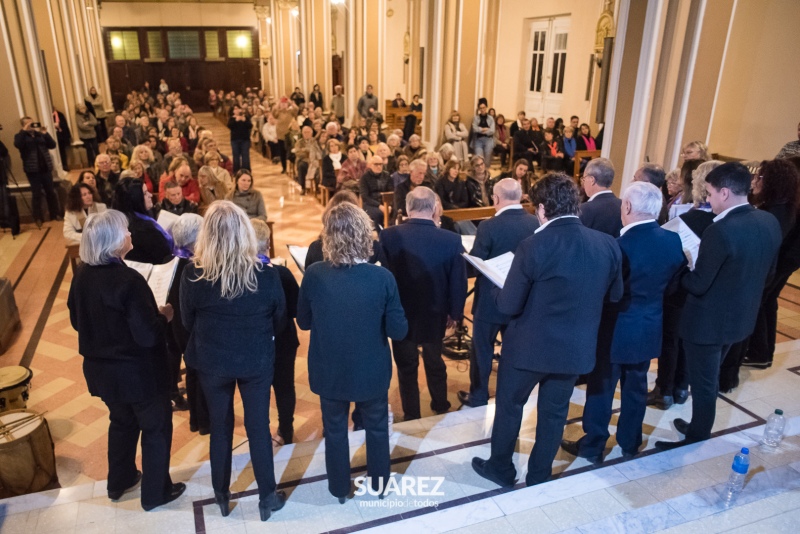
<point>737,255</point>
<point>601,211</point>
<point>559,279</point>
<point>630,330</point>
<point>432,279</point>
<point>525,145</point>
<point>496,236</point>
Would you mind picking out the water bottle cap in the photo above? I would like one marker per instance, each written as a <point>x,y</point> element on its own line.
<point>745,450</point>
<point>779,412</point>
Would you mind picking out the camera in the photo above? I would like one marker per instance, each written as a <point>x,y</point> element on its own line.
<point>36,125</point>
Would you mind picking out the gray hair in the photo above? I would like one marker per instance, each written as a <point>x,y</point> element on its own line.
<point>417,164</point>
<point>346,235</point>
<point>103,236</point>
<point>421,200</point>
<point>330,125</point>
<point>602,170</point>
<point>393,137</point>
<point>645,198</point>
<point>699,192</point>
<point>186,229</point>
<point>127,174</point>
<point>415,137</point>
<point>508,189</point>
<point>654,173</point>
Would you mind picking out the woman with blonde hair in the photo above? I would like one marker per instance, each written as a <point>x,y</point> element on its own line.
<point>695,150</point>
<point>351,308</point>
<point>457,134</point>
<point>213,159</point>
<point>211,188</point>
<point>232,305</point>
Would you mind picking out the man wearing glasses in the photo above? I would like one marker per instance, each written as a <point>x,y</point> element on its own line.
<point>374,182</point>
<point>602,211</point>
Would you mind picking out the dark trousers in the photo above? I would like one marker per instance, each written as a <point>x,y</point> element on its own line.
<point>672,375</point>
<point>43,182</point>
<point>92,150</point>
<point>552,163</point>
<point>255,399</point>
<point>241,154</point>
<point>376,215</point>
<point>501,151</point>
<point>703,363</point>
<point>196,399</point>
<point>278,150</point>
<point>731,362</point>
<point>302,170</point>
<point>102,133</point>
<point>153,420</point>
<point>480,364</point>
<point>375,414</point>
<point>285,396</point>
<point>600,387</point>
<point>514,387</point>
<point>63,144</point>
<point>406,357</point>
<point>762,342</point>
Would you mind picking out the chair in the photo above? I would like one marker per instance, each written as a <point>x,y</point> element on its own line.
<point>73,253</point>
<point>581,155</point>
<point>271,239</point>
<point>387,198</point>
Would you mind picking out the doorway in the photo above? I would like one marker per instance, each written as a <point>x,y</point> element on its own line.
<point>546,62</point>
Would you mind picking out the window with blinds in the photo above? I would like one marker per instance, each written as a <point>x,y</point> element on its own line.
<point>155,45</point>
<point>240,43</point>
<point>183,44</point>
<point>124,45</point>
<point>212,44</point>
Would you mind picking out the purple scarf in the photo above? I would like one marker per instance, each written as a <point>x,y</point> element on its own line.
<point>264,259</point>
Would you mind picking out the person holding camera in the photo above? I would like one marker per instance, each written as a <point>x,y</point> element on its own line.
<point>240,125</point>
<point>34,144</point>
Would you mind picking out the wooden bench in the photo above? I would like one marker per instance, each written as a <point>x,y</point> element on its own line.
<point>476,214</point>
<point>271,238</point>
<point>73,253</point>
<point>387,199</point>
<point>580,155</point>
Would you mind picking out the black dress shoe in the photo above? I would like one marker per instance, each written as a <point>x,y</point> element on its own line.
<point>465,400</point>
<point>747,362</point>
<point>629,455</point>
<point>681,425</point>
<point>174,492</point>
<point>482,468</point>
<point>223,500</point>
<point>342,500</point>
<point>272,504</point>
<point>680,396</point>
<point>179,404</point>
<point>574,448</point>
<point>669,445</point>
<point>117,495</point>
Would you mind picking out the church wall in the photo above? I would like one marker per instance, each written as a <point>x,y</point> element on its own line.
<point>176,14</point>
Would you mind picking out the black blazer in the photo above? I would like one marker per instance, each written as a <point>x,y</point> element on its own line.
<point>149,244</point>
<point>452,194</point>
<point>232,337</point>
<point>498,235</point>
<point>286,341</point>
<point>179,333</point>
<point>121,335</point>
<point>554,293</point>
<point>431,275</point>
<point>603,214</point>
<point>631,329</point>
<point>523,140</point>
<point>317,99</point>
<point>737,255</point>
<point>350,311</point>
<point>329,173</point>
<point>784,214</point>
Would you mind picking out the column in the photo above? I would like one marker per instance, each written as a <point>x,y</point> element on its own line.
<point>316,46</point>
<point>265,47</point>
<point>286,44</point>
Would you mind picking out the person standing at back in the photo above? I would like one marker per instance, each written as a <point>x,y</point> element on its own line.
<point>34,145</point>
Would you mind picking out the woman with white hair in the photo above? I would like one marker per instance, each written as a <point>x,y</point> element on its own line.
<point>232,305</point>
<point>122,338</point>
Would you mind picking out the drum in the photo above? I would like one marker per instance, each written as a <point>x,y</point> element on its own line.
<point>14,385</point>
<point>27,454</point>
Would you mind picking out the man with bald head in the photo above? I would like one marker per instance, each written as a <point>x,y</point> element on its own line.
<point>432,280</point>
<point>496,236</point>
<point>374,182</point>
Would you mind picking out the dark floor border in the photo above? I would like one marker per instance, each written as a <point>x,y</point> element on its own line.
<point>30,259</point>
<point>199,519</point>
<point>41,322</point>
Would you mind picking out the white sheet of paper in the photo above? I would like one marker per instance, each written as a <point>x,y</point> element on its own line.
<point>166,219</point>
<point>159,277</point>
<point>679,209</point>
<point>298,254</point>
<point>141,268</point>
<point>495,269</point>
<point>689,240</point>
<point>468,241</point>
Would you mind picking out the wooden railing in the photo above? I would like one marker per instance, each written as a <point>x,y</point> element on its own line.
<point>581,155</point>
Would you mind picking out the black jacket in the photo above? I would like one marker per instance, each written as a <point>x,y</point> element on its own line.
<point>286,341</point>
<point>33,149</point>
<point>523,140</point>
<point>240,130</point>
<point>453,194</point>
<point>185,206</point>
<point>401,192</point>
<point>121,335</point>
<point>603,214</point>
<point>475,194</point>
<point>372,185</point>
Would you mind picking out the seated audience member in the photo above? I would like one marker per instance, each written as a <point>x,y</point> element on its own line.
<point>502,140</point>
<point>82,201</point>
<point>584,140</point>
<point>398,101</point>
<point>174,201</point>
<point>308,154</point>
<point>401,174</point>
<point>102,187</point>
<point>332,165</point>
<point>213,160</point>
<point>525,145</point>
<point>521,173</point>
<point>435,165</point>
<point>601,211</point>
<point>125,363</point>
<point>630,331</point>
<point>447,153</point>
<point>517,124</point>
<point>581,271</point>
<point>414,149</point>
<point>361,368</point>
<point>790,149</point>
<point>228,289</point>
<point>570,145</point>
<point>695,150</point>
<point>552,153</point>
<point>394,142</point>
<point>150,172</point>
<point>389,160</point>
<point>416,105</point>
<point>247,197</point>
<point>477,184</point>
<point>180,172</point>
<point>151,243</point>
<point>185,232</point>
<point>286,341</point>
<point>363,147</point>
<point>116,164</point>
<point>211,188</point>
<point>352,169</point>
<point>457,135</point>
<point>453,194</point>
<point>775,190</point>
<point>431,277</point>
<point>373,140</point>
<point>374,182</point>
<point>113,149</point>
<point>417,177</point>
<point>483,133</point>
<point>102,165</point>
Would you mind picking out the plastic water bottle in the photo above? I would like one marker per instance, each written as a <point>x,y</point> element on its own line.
<point>391,419</point>
<point>773,432</point>
<point>741,463</point>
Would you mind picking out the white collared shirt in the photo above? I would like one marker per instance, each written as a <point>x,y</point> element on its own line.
<point>727,211</point>
<point>599,193</point>
<point>509,207</point>
<point>631,225</point>
<point>542,227</point>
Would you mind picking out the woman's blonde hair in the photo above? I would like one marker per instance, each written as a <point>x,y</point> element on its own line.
<point>699,192</point>
<point>346,235</point>
<point>262,235</point>
<point>143,153</point>
<point>226,250</point>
